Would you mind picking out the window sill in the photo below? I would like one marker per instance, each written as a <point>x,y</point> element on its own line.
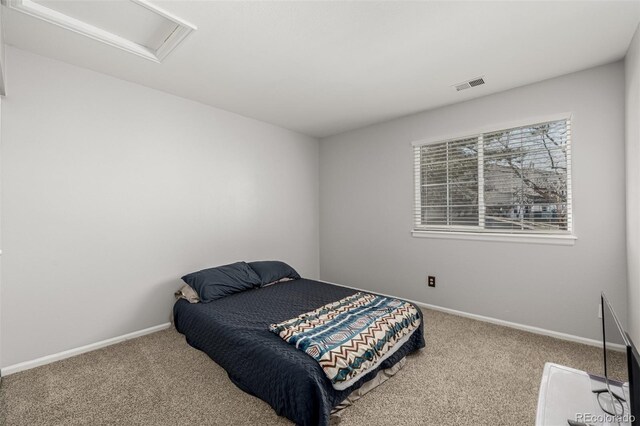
<point>562,240</point>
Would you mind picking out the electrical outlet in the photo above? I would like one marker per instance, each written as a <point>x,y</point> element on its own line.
<point>600,310</point>
<point>431,281</point>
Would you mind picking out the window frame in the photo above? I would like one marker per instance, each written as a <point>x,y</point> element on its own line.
<point>470,232</point>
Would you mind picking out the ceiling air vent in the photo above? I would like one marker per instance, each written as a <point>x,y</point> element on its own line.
<point>469,84</point>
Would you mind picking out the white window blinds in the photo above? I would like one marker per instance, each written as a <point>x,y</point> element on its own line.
<point>510,181</point>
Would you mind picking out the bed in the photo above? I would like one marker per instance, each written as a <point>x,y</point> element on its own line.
<point>234,332</point>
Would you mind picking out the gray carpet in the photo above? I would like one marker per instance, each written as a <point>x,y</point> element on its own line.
<point>470,373</point>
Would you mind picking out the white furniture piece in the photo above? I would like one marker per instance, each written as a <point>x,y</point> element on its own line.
<point>567,393</point>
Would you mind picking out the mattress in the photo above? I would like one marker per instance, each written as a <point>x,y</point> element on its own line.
<point>234,332</point>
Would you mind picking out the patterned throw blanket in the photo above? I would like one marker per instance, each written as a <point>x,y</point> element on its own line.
<point>352,336</point>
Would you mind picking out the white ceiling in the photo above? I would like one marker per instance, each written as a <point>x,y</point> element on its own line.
<point>322,68</point>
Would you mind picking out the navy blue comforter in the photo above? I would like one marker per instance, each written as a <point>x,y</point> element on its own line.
<point>234,332</point>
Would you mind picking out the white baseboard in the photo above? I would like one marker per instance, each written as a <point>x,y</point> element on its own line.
<point>27,365</point>
<point>529,328</point>
<point>92,347</point>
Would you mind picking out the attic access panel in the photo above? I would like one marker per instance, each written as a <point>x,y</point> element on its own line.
<point>136,26</point>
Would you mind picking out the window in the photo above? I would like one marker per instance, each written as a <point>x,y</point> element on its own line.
<point>513,181</point>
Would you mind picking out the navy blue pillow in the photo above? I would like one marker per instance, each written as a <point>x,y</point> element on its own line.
<point>216,283</point>
<point>273,270</point>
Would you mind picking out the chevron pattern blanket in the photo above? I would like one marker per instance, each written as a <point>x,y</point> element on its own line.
<point>352,336</point>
